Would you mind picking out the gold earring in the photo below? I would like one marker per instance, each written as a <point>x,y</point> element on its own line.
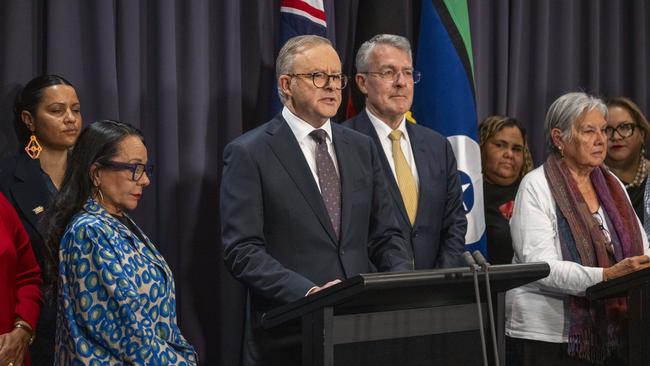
<point>561,152</point>
<point>98,194</point>
<point>33,147</point>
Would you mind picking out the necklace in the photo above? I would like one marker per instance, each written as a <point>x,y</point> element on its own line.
<point>639,176</point>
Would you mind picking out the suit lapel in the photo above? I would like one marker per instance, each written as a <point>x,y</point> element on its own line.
<point>30,192</point>
<point>421,157</point>
<point>285,146</point>
<point>364,126</point>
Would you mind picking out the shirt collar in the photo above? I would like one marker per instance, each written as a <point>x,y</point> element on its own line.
<point>300,128</point>
<point>383,130</point>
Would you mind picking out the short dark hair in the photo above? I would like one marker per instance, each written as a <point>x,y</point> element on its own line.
<point>493,124</point>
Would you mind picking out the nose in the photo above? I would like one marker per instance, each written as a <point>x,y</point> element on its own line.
<point>602,136</point>
<point>69,116</point>
<point>144,180</point>
<point>400,79</point>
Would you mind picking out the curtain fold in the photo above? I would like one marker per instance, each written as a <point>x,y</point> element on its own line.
<point>195,74</point>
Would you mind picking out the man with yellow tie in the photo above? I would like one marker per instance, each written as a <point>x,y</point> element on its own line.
<point>419,164</point>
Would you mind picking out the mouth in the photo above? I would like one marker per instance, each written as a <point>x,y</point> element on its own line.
<point>329,100</point>
<point>71,131</point>
<point>137,196</point>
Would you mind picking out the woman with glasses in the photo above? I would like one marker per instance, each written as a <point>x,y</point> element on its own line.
<point>116,302</point>
<point>574,214</point>
<point>627,129</point>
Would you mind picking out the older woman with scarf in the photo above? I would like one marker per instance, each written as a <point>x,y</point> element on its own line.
<point>574,214</point>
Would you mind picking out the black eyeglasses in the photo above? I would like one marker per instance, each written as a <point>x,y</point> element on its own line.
<point>137,169</point>
<point>606,234</point>
<point>321,79</point>
<point>392,75</point>
<point>624,130</point>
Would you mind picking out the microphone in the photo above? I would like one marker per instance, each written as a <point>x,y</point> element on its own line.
<point>486,268</point>
<point>474,267</point>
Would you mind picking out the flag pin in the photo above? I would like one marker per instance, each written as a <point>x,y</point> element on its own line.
<point>38,210</point>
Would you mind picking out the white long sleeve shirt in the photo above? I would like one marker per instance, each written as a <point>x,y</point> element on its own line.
<point>537,311</point>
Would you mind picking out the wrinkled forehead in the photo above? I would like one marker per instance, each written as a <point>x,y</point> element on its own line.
<point>321,57</point>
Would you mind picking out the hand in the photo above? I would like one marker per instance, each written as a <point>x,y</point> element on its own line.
<point>627,265</point>
<point>329,284</point>
<point>13,346</point>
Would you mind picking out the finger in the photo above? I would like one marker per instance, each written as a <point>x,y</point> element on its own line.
<point>19,359</point>
<point>643,259</point>
<point>315,290</point>
<point>331,283</point>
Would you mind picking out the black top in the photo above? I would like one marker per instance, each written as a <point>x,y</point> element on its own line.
<point>499,201</point>
<point>636,197</point>
<point>130,225</point>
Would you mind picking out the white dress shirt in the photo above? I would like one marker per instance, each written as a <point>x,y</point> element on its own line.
<point>383,131</point>
<point>536,311</point>
<point>301,130</point>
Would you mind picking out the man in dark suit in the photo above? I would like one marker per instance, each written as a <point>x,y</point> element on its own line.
<point>419,164</point>
<point>304,203</point>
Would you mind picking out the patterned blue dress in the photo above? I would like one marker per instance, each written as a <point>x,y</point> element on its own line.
<point>116,303</point>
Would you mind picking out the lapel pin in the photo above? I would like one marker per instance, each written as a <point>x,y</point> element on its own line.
<point>38,210</point>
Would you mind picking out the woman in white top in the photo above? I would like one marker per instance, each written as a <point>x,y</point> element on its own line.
<point>583,226</point>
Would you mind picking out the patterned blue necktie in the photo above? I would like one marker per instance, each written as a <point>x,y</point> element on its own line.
<point>330,186</point>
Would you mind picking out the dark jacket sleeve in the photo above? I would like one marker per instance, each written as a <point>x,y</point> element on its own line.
<point>387,246</point>
<point>242,231</point>
<point>454,221</point>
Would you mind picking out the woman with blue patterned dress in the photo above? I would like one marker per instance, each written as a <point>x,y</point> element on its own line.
<point>116,301</point>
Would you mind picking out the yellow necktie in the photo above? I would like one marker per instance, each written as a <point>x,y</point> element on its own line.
<point>405,179</point>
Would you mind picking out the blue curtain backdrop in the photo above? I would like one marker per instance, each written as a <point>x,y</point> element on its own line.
<point>195,74</point>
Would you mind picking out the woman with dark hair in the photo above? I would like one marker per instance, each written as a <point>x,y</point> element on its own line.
<point>627,130</point>
<point>505,160</point>
<point>47,122</point>
<point>116,296</point>
<point>20,296</point>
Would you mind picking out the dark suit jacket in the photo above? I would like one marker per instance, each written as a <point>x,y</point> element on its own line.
<point>277,236</point>
<point>22,182</point>
<point>437,237</point>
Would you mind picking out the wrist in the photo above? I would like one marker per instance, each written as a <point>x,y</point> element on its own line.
<point>26,330</point>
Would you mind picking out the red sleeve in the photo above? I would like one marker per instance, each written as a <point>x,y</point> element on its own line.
<point>28,273</point>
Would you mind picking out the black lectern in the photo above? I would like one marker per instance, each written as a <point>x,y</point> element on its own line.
<point>636,287</point>
<point>390,306</point>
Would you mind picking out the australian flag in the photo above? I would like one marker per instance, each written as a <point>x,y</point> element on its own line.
<point>297,18</point>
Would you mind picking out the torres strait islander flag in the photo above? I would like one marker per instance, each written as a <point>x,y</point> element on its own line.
<point>297,18</point>
<point>444,100</point>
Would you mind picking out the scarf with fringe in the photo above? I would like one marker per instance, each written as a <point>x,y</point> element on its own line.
<point>596,330</point>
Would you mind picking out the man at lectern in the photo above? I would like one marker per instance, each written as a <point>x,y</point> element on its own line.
<point>303,200</point>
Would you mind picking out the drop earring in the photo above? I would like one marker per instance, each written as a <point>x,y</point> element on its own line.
<point>33,147</point>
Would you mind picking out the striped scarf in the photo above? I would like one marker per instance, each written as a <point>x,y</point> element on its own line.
<point>596,330</point>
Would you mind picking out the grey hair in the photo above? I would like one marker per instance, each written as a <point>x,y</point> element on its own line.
<point>295,45</point>
<point>366,48</point>
<point>566,111</point>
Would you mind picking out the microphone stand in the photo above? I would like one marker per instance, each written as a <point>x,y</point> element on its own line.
<point>486,268</point>
<point>474,267</point>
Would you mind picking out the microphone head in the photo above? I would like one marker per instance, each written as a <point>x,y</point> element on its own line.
<point>480,259</point>
<point>469,259</point>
